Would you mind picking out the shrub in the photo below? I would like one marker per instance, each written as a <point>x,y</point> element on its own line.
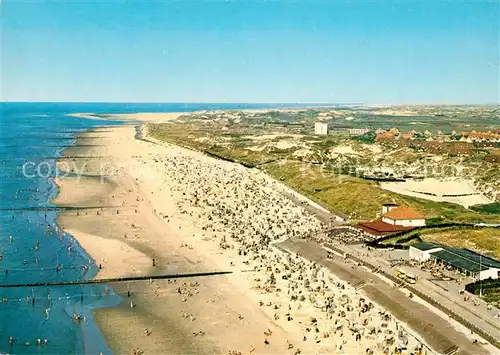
<point>492,208</point>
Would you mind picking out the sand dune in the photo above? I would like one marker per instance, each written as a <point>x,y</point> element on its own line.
<point>458,191</point>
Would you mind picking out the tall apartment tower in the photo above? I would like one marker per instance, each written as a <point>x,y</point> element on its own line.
<point>320,128</point>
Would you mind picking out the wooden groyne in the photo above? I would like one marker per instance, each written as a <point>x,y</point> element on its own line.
<point>116,279</point>
<point>57,208</point>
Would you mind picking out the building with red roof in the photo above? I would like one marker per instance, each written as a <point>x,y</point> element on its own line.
<point>403,216</point>
<point>394,219</point>
<point>380,229</point>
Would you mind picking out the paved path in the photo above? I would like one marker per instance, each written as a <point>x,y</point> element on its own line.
<point>439,334</point>
<point>445,293</point>
<point>328,218</point>
<point>479,316</point>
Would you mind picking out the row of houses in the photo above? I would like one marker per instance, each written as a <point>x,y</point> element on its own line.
<point>321,128</point>
<point>474,136</point>
<point>394,134</point>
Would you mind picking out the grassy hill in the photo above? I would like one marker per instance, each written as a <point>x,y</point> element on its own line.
<point>486,240</point>
<point>360,198</point>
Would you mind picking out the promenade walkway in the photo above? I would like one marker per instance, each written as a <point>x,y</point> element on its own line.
<point>440,336</point>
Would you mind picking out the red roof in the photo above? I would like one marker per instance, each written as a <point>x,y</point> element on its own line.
<point>403,213</point>
<point>381,228</point>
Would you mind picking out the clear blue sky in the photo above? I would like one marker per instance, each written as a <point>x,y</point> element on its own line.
<point>251,51</point>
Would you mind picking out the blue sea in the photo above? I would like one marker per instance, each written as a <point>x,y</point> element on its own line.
<point>32,247</point>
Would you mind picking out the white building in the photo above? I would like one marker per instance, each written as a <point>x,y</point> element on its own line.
<point>320,128</point>
<point>468,262</point>
<point>387,207</point>
<point>402,216</point>
<point>358,131</point>
<point>422,251</point>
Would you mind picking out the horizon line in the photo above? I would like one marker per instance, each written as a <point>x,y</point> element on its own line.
<point>254,103</point>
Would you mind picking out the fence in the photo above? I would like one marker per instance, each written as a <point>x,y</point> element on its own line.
<point>483,285</point>
<point>414,233</point>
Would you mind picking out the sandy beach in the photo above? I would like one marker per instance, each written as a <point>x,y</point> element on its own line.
<point>192,213</point>
<point>250,177</point>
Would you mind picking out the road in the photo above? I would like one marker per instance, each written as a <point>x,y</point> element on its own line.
<point>445,293</point>
<point>439,334</point>
<point>466,313</point>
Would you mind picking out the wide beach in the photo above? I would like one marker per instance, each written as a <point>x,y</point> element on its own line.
<point>155,208</point>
